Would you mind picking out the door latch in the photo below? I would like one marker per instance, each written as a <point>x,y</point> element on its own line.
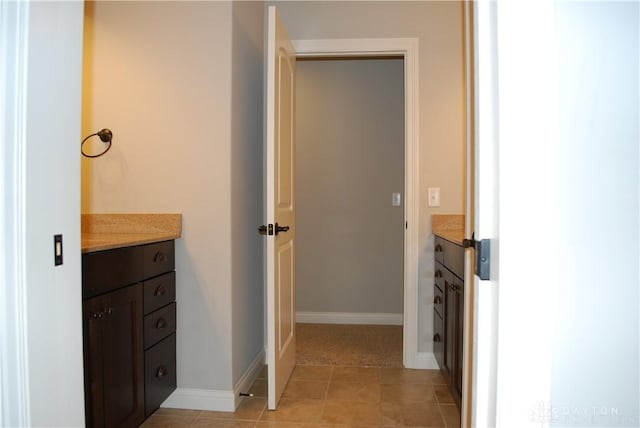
<point>483,255</point>
<point>266,229</point>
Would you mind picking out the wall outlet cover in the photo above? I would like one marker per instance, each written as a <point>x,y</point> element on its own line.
<point>433,196</point>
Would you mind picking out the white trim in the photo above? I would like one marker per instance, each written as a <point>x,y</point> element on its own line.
<point>426,360</point>
<point>408,48</point>
<point>201,399</point>
<point>249,376</point>
<point>14,372</point>
<point>468,327</point>
<point>370,318</point>
<point>216,400</point>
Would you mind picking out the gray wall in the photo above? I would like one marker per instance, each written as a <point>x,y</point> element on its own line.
<point>350,158</point>
<point>45,156</point>
<point>246,185</point>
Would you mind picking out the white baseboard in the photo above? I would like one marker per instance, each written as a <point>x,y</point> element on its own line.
<point>349,318</point>
<point>219,400</point>
<point>249,376</point>
<point>423,360</point>
<point>201,399</point>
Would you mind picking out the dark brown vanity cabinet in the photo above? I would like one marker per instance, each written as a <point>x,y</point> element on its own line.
<point>448,313</point>
<point>129,324</point>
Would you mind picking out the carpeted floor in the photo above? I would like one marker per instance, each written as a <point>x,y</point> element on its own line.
<point>349,345</point>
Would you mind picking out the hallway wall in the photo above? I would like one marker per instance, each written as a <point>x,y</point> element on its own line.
<point>350,158</point>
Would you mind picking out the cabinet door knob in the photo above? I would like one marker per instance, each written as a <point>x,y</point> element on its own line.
<point>438,274</point>
<point>160,291</point>
<point>437,300</point>
<point>436,337</point>
<point>161,323</point>
<point>159,257</point>
<point>438,248</point>
<point>161,372</point>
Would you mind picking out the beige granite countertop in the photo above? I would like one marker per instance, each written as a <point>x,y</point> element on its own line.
<point>449,227</point>
<point>108,231</point>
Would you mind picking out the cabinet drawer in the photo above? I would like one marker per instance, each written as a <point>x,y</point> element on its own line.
<point>438,249</point>
<point>159,291</point>
<point>108,270</point>
<point>438,339</point>
<point>159,373</point>
<point>159,324</point>
<point>158,258</point>
<point>438,301</point>
<point>439,275</point>
<point>453,258</point>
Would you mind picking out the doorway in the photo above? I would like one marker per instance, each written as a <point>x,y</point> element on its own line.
<point>406,50</point>
<point>350,209</point>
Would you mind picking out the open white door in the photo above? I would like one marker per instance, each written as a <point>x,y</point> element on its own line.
<point>516,80</point>
<point>280,179</point>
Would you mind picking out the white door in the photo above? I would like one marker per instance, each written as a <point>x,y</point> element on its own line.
<point>483,382</point>
<point>280,151</point>
<point>517,143</point>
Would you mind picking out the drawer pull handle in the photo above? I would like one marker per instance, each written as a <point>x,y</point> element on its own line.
<point>160,291</point>
<point>437,300</point>
<point>438,248</point>
<point>436,337</point>
<point>161,372</point>
<point>438,274</point>
<point>161,323</point>
<point>159,257</point>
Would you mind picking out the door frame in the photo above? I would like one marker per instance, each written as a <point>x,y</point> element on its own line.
<point>408,49</point>
<point>15,401</point>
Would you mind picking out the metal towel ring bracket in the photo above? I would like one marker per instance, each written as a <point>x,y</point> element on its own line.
<point>105,136</point>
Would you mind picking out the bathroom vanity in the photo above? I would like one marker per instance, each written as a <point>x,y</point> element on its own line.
<point>129,321</point>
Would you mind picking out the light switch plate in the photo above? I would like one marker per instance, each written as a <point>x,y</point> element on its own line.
<point>396,199</point>
<point>433,196</point>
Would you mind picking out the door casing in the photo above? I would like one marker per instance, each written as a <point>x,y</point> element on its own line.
<point>408,49</point>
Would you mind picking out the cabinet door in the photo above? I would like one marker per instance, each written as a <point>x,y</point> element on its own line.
<point>114,358</point>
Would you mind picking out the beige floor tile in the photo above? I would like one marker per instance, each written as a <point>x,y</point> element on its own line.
<point>451,415</point>
<point>392,375</point>
<point>167,421</point>
<point>188,413</point>
<point>317,373</point>
<point>436,378</point>
<point>222,423</point>
<point>260,388</point>
<point>356,374</point>
<point>289,410</point>
<point>352,412</point>
<point>443,395</point>
<point>275,424</point>
<point>407,392</point>
<point>249,409</point>
<point>354,391</point>
<point>411,414</point>
<point>306,390</point>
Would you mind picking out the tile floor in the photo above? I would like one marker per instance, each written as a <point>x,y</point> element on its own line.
<point>332,397</point>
